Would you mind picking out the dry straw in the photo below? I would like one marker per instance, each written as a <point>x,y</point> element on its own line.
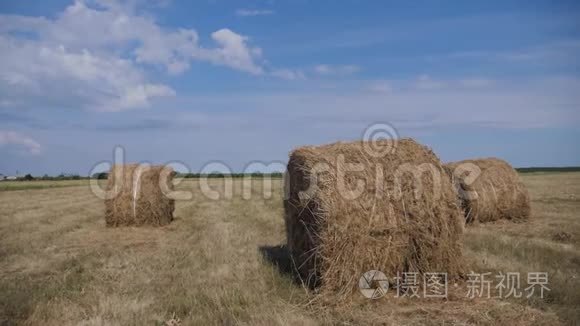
<point>489,189</point>
<point>140,199</point>
<point>396,225</point>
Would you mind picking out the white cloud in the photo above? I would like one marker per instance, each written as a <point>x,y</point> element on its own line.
<point>425,82</point>
<point>324,69</point>
<point>234,52</point>
<point>253,12</point>
<point>288,74</point>
<point>538,103</point>
<point>475,82</point>
<point>563,52</point>
<point>14,138</point>
<point>41,73</point>
<point>381,86</point>
<point>137,97</point>
<point>97,56</point>
<point>81,26</point>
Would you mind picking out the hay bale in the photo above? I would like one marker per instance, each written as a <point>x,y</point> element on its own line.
<point>140,199</point>
<point>394,226</point>
<point>492,193</point>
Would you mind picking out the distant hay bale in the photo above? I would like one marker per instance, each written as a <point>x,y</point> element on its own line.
<point>140,199</point>
<point>492,193</point>
<point>400,222</point>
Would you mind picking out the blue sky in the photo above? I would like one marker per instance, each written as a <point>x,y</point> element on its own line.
<point>203,81</point>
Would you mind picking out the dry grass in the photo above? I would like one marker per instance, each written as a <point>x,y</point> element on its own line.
<point>59,265</point>
<point>40,184</point>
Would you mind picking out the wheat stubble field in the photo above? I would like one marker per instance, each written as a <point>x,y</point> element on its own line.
<point>216,263</point>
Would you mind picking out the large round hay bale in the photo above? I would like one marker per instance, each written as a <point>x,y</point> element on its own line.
<point>489,189</point>
<point>405,218</point>
<point>138,195</point>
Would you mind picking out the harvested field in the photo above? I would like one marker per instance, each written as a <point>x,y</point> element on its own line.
<point>214,264</point>
<point>40,184</point>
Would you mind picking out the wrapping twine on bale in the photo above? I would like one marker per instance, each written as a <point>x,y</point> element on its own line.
<point>140,198</point>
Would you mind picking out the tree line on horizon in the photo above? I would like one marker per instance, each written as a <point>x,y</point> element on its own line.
<point>105,175</point>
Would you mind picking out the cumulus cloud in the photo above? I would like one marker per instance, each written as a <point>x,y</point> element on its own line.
<point>13,138</point>
<point>324,69</point>
<point>41,72</point>
<point>234,52</point>
<point>253,12</point>
<point>97,56</point>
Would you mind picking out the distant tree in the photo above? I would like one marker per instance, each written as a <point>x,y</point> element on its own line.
<point>100,175</point>
<point>28,177</point>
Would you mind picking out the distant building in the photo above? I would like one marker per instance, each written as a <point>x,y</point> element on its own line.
<point>9,177</point>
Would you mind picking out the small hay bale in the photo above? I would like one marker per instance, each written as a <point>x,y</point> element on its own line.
<point>492,193</point>
<point>140,199</point>
<point>391,227</point>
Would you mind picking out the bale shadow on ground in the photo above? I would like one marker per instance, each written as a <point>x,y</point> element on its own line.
<point>280,257</point>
